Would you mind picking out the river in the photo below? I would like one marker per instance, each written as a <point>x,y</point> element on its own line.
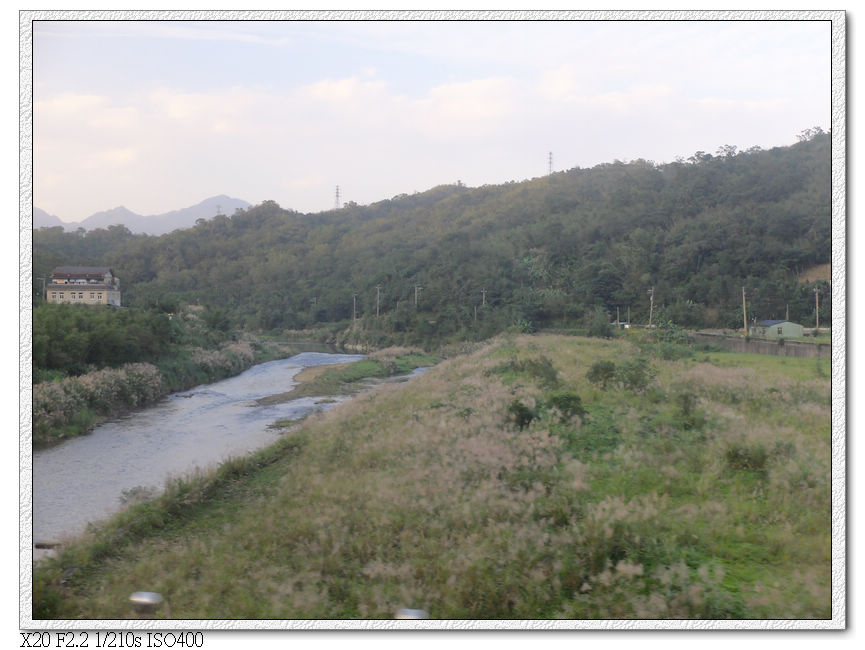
<point>84,479</point>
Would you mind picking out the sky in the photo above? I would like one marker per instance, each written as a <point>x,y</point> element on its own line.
<point>158,116</point>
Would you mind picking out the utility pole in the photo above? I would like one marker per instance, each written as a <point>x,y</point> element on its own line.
<point>817,309</point>
<point>417,288</point>
<point>618,323</point>
<point>354,308</point>
<point>651,293</point>
<point>744,312</point>
<point>377,299</point>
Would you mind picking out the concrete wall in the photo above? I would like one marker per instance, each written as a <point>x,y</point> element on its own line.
<point>801,349</point>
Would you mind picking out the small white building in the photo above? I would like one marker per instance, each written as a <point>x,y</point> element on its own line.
<point>776,329</point>
<point>89,285</point>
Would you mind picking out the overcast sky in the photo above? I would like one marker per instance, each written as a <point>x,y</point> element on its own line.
<point>157,116</point>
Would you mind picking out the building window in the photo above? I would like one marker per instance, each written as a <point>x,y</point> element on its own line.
<point>92,295</point>
<point>99,295</point>
<point>780,330</point>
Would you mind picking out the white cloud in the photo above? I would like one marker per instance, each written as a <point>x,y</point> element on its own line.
<point>120,117</point>
<point>68,104</point>
<point>342,91</point>
<point>632,100</point>
<point>558,84</point>
<point>747,105</point>
<point>481,99</point>
<point>117,157</point>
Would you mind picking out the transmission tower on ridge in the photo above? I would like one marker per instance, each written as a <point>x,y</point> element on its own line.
<point>551,162</point>
<point>337,197</point>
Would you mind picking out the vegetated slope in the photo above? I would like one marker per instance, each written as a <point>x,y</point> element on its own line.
<point>538,253</point>
<point>537,477</point>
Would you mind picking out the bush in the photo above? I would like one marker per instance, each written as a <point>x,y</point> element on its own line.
<point>541,369</point>
<point>673,352</point>
<point>597,324</point>
<point>688,417</point>
<point>520,414</point>
<point>567,404</point>
<point>669,332</point>
<point>602,373</point>
<point>753,458</point>
<point>634,375</point>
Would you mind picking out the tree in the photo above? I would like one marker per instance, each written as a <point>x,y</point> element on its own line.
<point>597,323</point>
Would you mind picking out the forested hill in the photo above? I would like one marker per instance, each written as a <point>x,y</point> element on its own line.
<point>538,253</point>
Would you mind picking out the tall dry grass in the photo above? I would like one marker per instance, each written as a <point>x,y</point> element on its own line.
<point>426,495</point>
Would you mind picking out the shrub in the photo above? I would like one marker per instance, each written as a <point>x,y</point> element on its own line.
<point>669,332</point>
<point>753,458</point>
<point>567,404</point>
<point>634,375</point>
<point>520,414</point>
<point>597,324</point>
<point>541,369</point>
<point>602,373</point>
<point>673,351</point>
<point>688,417</point>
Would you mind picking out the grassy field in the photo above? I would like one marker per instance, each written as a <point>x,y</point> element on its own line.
<point>536,477</point>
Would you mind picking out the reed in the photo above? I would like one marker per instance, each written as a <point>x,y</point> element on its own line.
<point>673,500</point>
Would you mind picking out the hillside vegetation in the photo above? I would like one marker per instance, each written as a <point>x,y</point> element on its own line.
<point>457,263</point>
<point>532,477</point>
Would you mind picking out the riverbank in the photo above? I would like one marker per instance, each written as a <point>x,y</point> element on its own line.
<point>192,430</point>
<point>513,482</point>
<point>74,406</point>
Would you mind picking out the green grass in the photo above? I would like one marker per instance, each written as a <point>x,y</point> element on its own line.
<point>703,495</point>
<point>345,379</point>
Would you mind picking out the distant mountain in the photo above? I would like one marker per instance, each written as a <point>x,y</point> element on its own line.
<point>151,225</point>
<point>112,217</point>
<point>42,219</point>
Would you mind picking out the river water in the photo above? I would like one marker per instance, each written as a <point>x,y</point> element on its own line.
<point>84,479</point>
